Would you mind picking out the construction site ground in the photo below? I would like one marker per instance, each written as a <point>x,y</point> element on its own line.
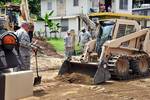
<point>53,89</point>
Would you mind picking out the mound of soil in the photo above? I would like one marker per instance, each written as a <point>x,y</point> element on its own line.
<point>46,48</point>
<point>75,78</point>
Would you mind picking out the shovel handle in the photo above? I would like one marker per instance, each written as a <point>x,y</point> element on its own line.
<point>36,63</point>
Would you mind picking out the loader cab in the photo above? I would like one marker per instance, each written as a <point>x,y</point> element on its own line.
<point>105,34</point>
<point>106,28</point>
<point>105,31</point>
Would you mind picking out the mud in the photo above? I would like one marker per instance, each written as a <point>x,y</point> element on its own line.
<point>75,78</point>
<point>46,48</point>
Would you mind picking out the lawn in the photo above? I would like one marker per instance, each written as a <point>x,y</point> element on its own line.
<point>58,45</point>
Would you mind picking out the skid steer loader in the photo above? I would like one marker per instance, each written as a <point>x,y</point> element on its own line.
<point>122,49</point>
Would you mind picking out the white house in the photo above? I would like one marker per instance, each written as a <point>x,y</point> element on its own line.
<point>66,12</point>
<point>137,7</point>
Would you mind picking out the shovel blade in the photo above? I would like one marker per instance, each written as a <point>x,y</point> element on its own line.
<point>37,80</point>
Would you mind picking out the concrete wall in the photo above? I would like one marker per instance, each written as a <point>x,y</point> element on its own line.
<point>73,24</point>
<point>74,10</point>
<point>39,26</point>
<point>44,7</point>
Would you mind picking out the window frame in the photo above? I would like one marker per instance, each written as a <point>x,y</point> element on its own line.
<point>75,3</point>
<point>64,27</point>
<point>49,7</point>
<point>123,4</point>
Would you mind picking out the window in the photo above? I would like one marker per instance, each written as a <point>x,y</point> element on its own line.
<point>49,6</point>
<point>123,4</point>
<point>130,29</point>
<point>125,30</point>
<point>61,1</point>
<point>64,25</point>
<point>121,30</point>
<point>75,2</point>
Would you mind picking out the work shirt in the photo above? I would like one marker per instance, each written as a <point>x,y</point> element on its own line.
<point>68,41</point>
<point>24,50</point>
<point>68,46</point>
<point>24,41</point>
<point>84,37</point>
<point>73,40</point>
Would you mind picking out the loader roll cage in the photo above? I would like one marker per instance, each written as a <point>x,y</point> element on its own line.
<point>110,15</point>
<point>142,19</point>
<point>105,34</point>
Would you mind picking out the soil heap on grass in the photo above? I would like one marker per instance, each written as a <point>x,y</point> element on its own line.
<point>75,78</point>
<point>46,48</point>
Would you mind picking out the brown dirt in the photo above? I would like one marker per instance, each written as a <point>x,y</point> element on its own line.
<point>46,62</point>
<point>46,48</point>
<point>55,89</point>
<point>75,78</point>
<point>52,89</point>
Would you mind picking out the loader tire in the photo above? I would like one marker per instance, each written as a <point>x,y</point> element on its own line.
<point>142,66</point>
<point>122,68</point>
<point>134,66</point>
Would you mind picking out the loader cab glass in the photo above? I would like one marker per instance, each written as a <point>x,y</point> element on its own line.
<point>105,32</point>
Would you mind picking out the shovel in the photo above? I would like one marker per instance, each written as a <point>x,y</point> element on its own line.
<point>37,79</point>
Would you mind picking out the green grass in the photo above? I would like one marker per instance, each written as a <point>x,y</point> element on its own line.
<point>58,45</point>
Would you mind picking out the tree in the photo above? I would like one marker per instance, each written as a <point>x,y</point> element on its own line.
<point>34,5</point>
<point>53,26</point>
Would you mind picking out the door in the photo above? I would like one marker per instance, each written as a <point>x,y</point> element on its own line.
<point>61,7</point>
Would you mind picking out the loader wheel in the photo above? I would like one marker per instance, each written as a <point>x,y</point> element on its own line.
<point>143,66</point>
<point>122,68</point>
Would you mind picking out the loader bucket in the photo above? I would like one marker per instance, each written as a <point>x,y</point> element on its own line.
<point>98,74</point>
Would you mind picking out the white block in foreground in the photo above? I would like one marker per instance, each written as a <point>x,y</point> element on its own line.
<point>16,85</point>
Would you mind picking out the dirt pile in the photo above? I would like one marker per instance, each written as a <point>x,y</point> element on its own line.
<point>75,78</point>
<point>46,48</point>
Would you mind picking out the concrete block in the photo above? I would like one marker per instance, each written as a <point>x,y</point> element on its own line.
<point>16,85</point>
